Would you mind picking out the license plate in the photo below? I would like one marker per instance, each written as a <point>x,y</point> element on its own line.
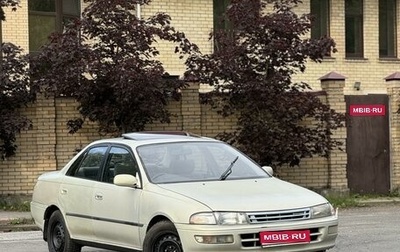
<point>268,238</point>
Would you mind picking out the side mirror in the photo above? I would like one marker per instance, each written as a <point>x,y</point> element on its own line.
<point>269,170</point>
<point>125,180</point>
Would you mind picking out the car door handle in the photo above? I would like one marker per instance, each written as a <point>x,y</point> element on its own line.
<point>63,191</point>
<point>98,196</point>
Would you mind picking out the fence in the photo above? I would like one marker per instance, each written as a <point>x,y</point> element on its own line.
<point>48,145</point>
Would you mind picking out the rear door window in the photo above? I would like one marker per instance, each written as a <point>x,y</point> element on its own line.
<point>88,166</point>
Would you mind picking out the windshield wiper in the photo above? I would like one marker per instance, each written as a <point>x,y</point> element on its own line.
<point>228,170</point>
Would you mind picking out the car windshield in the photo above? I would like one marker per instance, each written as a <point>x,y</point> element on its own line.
<point>196,161</point>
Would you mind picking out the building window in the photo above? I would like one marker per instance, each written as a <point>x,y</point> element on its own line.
<point>48,16</point>
<point>387,28</point>
<point>220,21</point>
<point>354,29</point>
<point>320,15</point>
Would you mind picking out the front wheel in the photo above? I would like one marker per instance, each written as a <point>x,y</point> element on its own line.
<point>58,239</point>
<point>162,237</point>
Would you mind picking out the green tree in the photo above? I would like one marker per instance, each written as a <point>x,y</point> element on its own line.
<point>14,89</point>
<point>107,61</point>
<point>251,71</point>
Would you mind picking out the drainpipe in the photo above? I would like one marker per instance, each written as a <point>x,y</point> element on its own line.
<point>1,48</point>
<point>138,11</point>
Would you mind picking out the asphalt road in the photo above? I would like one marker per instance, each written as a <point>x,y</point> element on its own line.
<point>29,241</point>
<point>360,229</point>
<point>369,229</point>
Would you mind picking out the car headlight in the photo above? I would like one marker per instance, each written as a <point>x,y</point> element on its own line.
<point>323,210</point>
<point>218,218</point>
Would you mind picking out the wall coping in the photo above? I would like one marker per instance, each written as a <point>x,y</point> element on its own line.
<point>332,76</point>
<point>393,76</point>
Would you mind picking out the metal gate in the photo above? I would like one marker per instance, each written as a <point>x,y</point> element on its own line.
<point>368,156</point>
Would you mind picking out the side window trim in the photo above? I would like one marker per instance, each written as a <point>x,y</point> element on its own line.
<point>105,176</point>
<point>75,167</point>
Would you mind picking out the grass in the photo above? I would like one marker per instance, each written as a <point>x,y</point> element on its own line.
<point>14,204</point>
<point>21,207</point>
<point>343,201</point>
<point>22,221</point>
<point>356,200</point>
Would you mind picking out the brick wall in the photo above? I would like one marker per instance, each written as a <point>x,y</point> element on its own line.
<point>15,28</point>
<point>48,146</point>
<point>194,18</point>
<point>394,92</point>
<point>371,70</point>
<point>36,150</point>
<point>318,172</point>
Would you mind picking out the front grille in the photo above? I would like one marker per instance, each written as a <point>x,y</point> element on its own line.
<point>252,240</point>
<point>277,216</point>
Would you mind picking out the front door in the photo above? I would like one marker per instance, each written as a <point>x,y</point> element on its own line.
<point>115,208</point>
<point>368,157</point>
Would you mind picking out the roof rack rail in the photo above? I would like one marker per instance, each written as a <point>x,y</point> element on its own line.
<point>142,135</point>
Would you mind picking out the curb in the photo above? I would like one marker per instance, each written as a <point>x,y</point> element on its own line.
<point>18,228</point>
<point>375,202</point>
<point>13,225</point>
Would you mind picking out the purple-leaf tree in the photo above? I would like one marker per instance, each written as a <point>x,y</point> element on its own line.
<point>251,71</point>
<point>107,61</point>
<point>14,89</point>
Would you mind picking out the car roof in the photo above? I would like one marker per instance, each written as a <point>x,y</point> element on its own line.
<point>152,137</point>
<point>147,135</point>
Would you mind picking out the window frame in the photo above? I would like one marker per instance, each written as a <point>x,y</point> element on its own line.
<point>357,20</point>
<point>384,31</point>
<point>219,21</point>
<point>321,24</point>
<point>73,170</point>
<point>108,160</point>
<point>58,15</point>
<point>219,13</point>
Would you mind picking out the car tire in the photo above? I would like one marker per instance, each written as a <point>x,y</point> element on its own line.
<point>162,237</point>
<point>58,239</point>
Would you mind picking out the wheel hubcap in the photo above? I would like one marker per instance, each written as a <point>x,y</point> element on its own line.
<point>58,237</point>
<point>168,243</point>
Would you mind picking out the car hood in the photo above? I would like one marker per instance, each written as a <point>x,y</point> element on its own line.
<point>266,194</point>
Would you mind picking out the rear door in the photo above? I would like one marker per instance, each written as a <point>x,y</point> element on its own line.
<point>76,192</point>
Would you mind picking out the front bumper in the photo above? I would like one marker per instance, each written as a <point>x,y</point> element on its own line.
<point>323,234</point>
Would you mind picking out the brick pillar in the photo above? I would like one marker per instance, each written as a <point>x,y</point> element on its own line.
<point>44,125</point>
<point>191,109</point>
<point>393,90</point>
<point>333,84</point>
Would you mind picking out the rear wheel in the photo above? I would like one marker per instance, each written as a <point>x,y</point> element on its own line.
<point>162,237</point>
<point>58,239</point>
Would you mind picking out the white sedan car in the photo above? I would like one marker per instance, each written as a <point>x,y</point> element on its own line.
<point>168,191</point>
